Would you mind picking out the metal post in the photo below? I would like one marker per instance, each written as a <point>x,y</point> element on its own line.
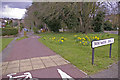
<point>92,56</point>
<point>110,50</point>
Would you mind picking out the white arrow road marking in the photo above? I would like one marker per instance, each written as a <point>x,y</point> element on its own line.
<point>64,75</point>
<point>26,75</point>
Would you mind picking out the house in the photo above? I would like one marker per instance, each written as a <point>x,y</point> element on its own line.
<point>12,22</point>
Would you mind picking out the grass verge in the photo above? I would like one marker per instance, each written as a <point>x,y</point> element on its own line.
<point>79,55</point>
<point>4,42</point>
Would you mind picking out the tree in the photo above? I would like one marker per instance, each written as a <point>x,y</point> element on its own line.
<point>112,10</point>
<point>98,22</point>
<point>77,16</point>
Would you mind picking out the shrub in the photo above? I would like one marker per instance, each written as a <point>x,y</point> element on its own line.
<point>107,26</point>
<point>40,26</point>
<point>8,26</point>
<point>9,31</point>
<point>35,30</point>
<point>54,25</point>
<point>21,27</point>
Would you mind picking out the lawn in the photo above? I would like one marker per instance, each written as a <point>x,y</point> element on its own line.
<point>80,54</point>
<point>4,42</point>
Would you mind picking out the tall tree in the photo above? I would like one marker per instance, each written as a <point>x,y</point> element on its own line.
<point>76,16</point>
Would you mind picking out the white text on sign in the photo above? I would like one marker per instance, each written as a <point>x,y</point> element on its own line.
<point>102,42</point>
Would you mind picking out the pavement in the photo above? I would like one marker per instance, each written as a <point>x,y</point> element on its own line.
<point>111,32</point>
<point>29,55</point>
<point>32,64</point>
<point>111,72</point>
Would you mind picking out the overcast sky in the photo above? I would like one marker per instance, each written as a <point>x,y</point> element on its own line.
<point>14,9</point>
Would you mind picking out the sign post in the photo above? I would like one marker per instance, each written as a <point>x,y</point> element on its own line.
<point>99,43</point>
<point>110,50</point>
<point>92,56</point>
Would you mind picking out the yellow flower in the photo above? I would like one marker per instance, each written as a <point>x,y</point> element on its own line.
<point>84,38</point>
<point>78,37</point>
<point>83,41</point>
<point>61,40</point>
<point>62,37</point>
<point>95,36</point>
<point>53,38</point>
<point>87,36</point>
<point>75,35</point>
<point>98,38</point>
<point>80,42</point>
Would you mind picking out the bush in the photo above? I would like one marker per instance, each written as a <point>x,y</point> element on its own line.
<point>54,24</point>
<point>8,26</point>
<point>40,26</point>
<point>21,27</point>
<point>35,30</point>
<point>107,26</point>
<point>9,31</point>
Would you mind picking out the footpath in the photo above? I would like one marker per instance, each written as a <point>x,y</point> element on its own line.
<point>29,55</point>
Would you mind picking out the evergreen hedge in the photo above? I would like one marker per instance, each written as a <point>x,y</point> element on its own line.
<point>9,31</point>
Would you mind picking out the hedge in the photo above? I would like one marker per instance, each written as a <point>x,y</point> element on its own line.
<point>9,31</point>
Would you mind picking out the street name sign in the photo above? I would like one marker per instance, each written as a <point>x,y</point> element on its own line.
<point>99,43</point>
<point>102,42</point>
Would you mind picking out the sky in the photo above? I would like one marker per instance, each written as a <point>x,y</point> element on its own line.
<point>14,9</point>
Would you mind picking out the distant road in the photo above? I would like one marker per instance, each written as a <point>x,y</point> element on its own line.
<point>112,32</point>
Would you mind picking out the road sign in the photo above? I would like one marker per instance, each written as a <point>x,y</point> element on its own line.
<point>99,43</point>
<point>102,42</point>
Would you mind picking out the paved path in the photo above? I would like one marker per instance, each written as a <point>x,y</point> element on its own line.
<point>32,64</point>
<point>29,55</point>
<point>28,48</point>
<point>112,72</point>
<point>112,32</point>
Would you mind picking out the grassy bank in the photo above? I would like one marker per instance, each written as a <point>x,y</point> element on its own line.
<point>79,54</point>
